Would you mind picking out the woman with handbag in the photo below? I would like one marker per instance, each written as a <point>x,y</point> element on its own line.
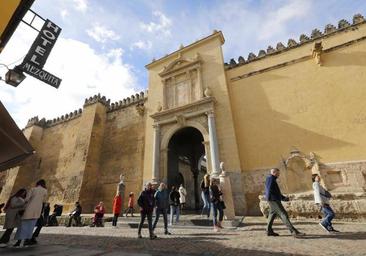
<point>14,209</point>
<point>217,203</point>
<point>321,198</point>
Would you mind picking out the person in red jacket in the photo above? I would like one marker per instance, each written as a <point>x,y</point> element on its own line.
<point>130,204</point>
<point>99,211</point>
<point>117,203</point>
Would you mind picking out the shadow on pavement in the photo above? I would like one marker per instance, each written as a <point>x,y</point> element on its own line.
<point>52,244</point>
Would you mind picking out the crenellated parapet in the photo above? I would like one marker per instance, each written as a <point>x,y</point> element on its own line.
<point>64,118</point>
<point>137,99</point>
<point>97,98</point>
<point>316,34</point>
<point>36,121</point>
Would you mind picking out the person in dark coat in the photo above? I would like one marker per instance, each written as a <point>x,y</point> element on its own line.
<point>216,203</point>
<point>46,213</point>
<point>174,205</point>
<point>75,215</point>
<point>146,201</point>
<point>274,197</point>
<point>162,206</point>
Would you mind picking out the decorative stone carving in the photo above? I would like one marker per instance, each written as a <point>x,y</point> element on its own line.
<point>121,185</point>
<point>280,46</point>
<point>317,52</point>
<point>208,92</point>
<point>159,107</point>
<point>251,56</point>
<point>358,18</point>
<point>182,83</point>
<point>262,53</point>
<point>329,29</point>
<point>232,63</point>
<point>241,60</point>
<point>270,49</point>
<point>304,38</point>
<point>316,33</point>
<point>291,43</point>
<point>181,120</point>
<point>343,24</point>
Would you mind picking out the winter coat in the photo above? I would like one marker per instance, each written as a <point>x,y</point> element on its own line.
<point>182,193</point>
<point>174,198</point>
<point>34,201</point>
<point>146,201</point>
<point>162,199</point>
<point>272,190</point>
<point>117,203</point>
<point>12,217</point>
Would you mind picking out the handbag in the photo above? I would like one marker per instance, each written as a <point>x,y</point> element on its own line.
<point>222,204</point>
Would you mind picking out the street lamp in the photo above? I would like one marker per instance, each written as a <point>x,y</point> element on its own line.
<point>14,76</point>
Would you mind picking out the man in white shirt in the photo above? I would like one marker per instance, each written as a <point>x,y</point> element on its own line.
<point>321,198</point>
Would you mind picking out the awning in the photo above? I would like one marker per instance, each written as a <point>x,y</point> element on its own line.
<point>14,147</point>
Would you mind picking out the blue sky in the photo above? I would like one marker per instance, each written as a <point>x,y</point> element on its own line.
<point>105,45</point>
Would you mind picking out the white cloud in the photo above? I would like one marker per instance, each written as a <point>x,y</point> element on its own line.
<point>143,45</point>
<point>278,20</point>
<point>162,26</point>
<point>101,34</point>
<point>83,71</point>
<point>81,5</point>
<point>64,13</point>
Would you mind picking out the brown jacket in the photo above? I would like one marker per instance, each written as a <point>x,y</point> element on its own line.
<point>35,198</point>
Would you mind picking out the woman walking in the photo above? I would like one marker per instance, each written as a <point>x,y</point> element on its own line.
<point>14,209</point>
<point>217,204</point>
<point>183,193</point>
<point>205,194</point>
<point>117,202</point>
<point>34,201</point>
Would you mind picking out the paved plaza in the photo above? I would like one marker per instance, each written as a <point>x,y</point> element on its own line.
<point>247,239</point>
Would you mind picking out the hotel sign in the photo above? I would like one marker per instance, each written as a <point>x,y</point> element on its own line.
<point>38,53</point>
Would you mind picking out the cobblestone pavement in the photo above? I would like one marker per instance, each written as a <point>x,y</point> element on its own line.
<point>248,239</point>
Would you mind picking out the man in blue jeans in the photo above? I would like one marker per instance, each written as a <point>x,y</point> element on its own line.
<point>321,198</point>
<point>274,197</point>
<point>162,205</point>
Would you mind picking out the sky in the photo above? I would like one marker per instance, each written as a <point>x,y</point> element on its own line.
<point>105,45</point>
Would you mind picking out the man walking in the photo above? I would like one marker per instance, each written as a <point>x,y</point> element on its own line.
<point>174,205</point>
<point>162,205</point>
<point>146,201</point>
<point>274,197</point>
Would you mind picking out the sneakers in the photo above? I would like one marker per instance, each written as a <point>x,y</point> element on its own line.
<point>167,233</point>
<point>3,245</point>
<point>152,237</point>
<point>324,227</point>
<point>331,229</point>
<point>19,244</point>
<point>272,234</point>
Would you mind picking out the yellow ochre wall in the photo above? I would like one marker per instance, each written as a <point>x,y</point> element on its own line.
<point>311,107</point>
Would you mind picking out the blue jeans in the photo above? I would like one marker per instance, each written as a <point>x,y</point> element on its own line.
<point>206,203</point>
<point>328,215</point>
<point>174,210</point>
<point>217,207</point>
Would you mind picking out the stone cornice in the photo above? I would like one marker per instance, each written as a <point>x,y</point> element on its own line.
<point>187,111</point>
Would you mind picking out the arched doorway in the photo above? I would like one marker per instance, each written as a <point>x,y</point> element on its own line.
<point>186,163</point>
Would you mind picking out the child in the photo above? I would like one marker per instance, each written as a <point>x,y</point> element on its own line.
<point>130,204</point>
<point>321,197</point>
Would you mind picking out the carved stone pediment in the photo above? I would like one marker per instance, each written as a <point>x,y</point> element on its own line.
<point>182,82</point>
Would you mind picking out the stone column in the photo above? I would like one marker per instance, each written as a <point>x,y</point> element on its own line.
<point>214,149</point>
<point>156,153</point>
